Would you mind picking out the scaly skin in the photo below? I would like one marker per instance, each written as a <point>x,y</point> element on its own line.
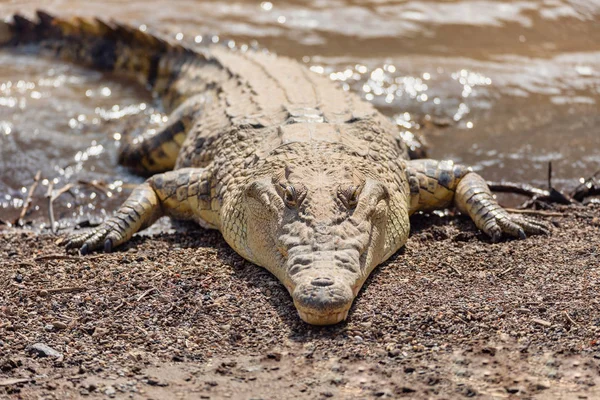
<point>300,177</point>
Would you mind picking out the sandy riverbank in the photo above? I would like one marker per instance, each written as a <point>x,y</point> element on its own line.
<point>182,316</point>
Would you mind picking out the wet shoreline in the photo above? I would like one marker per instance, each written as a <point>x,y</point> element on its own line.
<point>515,85</point>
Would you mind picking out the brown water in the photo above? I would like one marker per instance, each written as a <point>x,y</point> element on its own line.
<point>516,82</point>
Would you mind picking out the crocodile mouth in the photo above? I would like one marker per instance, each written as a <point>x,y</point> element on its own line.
<point>324,276</point>
<point>323,300</point>
<point>323,319</point>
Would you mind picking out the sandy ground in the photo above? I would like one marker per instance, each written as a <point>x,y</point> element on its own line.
<point>180,315</point>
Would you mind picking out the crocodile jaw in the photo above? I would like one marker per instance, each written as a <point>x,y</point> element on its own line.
<point>322,319</point>
<point>323,293</point>
<point>325,274</point>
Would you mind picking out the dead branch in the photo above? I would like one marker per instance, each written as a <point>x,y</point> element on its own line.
<point>63,290</point>
<point>536,194</point>
<point>517,188</point>
<point>589,187</point>
<point>66,188</point>
<point>53,196</point>
<point>101,186</point>
<point>28,200</point>
<point>50,207</point>
<point>13,381</point>
<point>147,292</point>
<point>570,319</point>
<point>65,257</point>
<point>506,271</point>
<point>534,212</point>
<point>541,322</point>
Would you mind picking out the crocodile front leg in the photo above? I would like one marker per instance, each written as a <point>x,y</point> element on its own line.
<point>440,184</point>
<point>182,194</point>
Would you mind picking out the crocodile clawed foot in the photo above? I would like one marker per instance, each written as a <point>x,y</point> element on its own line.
<point>140,210</point>
<point>533,226</point>
<point>102,237</point>
<point>516,226</point>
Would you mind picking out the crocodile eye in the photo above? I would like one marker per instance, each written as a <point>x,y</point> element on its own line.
<point>292,197</point>
<point>353,199</point>
<point>350,195</point>
<point>289,196</point>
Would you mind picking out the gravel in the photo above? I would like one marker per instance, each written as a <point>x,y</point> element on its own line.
<point>181,315</point>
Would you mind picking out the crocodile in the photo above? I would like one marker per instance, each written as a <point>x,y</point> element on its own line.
<point>300,176</point>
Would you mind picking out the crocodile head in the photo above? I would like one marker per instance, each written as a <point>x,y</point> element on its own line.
<point>320,231</point>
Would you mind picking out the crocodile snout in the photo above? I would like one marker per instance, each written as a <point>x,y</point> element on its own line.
<point>323,300</point>
<point>323,269</point>
<point>321,282</point>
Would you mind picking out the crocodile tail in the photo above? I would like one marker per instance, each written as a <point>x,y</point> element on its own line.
<point>107,46</point>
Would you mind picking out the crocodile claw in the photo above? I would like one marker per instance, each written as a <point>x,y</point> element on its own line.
<point>102,237</point>
<point>108,246</point>
<point>503,223</point>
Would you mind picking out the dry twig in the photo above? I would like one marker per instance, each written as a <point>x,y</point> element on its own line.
<point>13,381</point>
<point>541,322</point>
<point>66,188</point>
<point>506,271</point>
<point>570,319</point>
<point>101,186</point>
<point>589,187</point>
<point>28,200</point>
<point>27,264</point>
<point>147,292</point>
<point>145,332</point>
<point>517,188</point>
<point>50,207</point>
<point>51,197</point>
<point>534,212</point>
<point>456,270</point>
<point>63,290</point>
<point>65,257</point>
<point>537,195</point>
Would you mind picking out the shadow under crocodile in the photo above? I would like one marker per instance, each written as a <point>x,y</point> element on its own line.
<point>190,236</point>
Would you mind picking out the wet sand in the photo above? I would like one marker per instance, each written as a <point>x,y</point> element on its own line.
<point>180,315</point>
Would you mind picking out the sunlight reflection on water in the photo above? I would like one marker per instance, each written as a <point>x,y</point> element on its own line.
<point>505,86</point>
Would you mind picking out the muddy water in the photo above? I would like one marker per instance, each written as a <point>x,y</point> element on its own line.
<point>505,86</point>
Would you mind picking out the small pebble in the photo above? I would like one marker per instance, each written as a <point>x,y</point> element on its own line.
<point>110,391</point>
<point>156,382</point>
<point>58,325</point>
<point>43,350</point>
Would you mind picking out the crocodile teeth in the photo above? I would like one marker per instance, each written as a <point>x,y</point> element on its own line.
<point>323,319</point>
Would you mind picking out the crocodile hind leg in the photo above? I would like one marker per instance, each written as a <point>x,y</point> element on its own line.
<point>440,184</point>
<point>182,194</point>
<point>156,151</point>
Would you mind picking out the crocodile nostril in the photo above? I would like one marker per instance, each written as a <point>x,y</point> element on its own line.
<point>321,282</point>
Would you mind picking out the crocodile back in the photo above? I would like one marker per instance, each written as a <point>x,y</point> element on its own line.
<point>257,102</point>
